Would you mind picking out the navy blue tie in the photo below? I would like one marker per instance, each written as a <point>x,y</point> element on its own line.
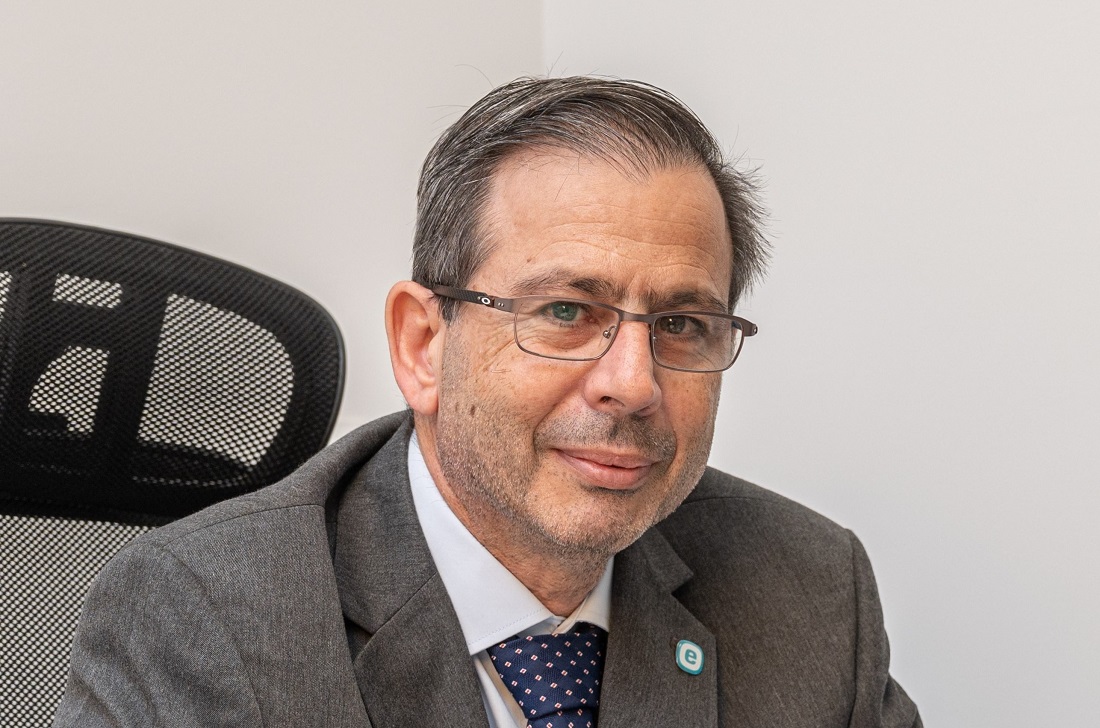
<point>555,678</point>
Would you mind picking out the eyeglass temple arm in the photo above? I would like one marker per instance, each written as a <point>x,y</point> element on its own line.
<point>460,294</point>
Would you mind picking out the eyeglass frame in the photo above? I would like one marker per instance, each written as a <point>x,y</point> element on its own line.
<point>507,305</point>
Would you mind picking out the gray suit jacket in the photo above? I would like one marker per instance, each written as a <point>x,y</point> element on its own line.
<point>315,602</point>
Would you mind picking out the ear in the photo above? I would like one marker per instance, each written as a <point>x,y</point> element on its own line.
<point>413,328</point>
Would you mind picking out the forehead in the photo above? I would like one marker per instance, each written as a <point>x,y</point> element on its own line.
<point>559,222</point>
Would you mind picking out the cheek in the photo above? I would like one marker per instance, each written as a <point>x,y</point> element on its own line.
<point>692,413</point>
<point>693,400</point>
<point>515,387</point>
<point>540,386</point>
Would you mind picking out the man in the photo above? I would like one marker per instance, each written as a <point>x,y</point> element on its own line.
<point>540,539</point>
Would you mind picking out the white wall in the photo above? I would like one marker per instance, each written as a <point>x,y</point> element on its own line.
<point>286,136</point>
<point>926,369</point>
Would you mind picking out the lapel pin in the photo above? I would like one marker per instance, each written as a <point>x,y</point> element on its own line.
<point>689,657</point>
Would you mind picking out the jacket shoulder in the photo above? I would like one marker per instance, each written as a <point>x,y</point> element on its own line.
<point>731,532</point>
<point>230,616</point>
<point>308,488</point>
<point>748,503</point>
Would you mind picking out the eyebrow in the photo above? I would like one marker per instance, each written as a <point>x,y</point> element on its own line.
<point>689,298</point>
<point>604,290</point>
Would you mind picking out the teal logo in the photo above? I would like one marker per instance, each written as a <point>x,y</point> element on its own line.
<point>689,657</point>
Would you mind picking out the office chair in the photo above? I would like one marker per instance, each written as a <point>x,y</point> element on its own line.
<point>139,382</point>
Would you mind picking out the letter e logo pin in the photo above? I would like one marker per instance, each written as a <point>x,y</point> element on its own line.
<point>689,657</point>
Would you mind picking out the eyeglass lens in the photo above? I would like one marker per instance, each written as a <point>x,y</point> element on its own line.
<point>565,329</point>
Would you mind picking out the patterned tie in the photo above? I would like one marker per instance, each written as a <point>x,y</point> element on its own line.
<point>555,679</point>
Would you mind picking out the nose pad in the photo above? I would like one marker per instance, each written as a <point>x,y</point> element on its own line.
<point>609,331</point>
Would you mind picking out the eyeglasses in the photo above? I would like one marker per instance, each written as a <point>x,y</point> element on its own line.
<point>577,330</point>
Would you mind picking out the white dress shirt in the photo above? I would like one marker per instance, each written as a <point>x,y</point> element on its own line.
<point>491,603</point>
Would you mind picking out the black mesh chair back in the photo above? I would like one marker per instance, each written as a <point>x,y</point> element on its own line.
<point>139,382</point>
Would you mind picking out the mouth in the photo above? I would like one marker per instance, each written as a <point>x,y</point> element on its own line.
<point>607,469</point>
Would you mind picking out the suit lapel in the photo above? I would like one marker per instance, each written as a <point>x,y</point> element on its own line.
<point>642,683</point>
<point>414,668</point>
<point>416,671</point>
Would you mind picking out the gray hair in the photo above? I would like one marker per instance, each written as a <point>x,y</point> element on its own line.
<point>632,125</point>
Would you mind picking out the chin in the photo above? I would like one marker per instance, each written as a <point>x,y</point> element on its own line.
<point>595,528</point>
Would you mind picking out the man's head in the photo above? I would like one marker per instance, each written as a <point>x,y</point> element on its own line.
<point>590,189</point>
<point>633,126</point>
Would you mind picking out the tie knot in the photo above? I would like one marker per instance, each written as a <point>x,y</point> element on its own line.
<point>555,679</point>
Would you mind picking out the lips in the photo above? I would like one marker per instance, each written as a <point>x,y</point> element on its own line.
<point>607,469</point>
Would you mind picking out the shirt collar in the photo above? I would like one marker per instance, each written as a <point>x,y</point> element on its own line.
<point>491,603</point>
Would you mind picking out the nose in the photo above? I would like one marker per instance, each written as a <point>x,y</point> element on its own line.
<point>623,380</point>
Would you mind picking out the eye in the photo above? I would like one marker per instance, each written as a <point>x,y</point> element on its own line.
<point>673,324</point>
<point>564,310</point>
<point>685,326</point>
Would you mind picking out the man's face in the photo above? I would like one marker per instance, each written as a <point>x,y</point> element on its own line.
<point>582,455</point>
